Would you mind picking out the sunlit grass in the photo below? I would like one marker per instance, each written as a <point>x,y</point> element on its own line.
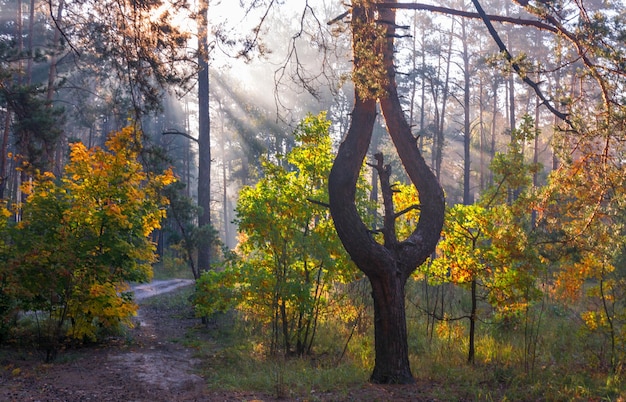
<point>179,300</point>
<point>237,359</point>
<point>234,351</point>
<point>171,268</point>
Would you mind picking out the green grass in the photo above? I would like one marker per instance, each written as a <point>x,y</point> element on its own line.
<point>171,268</point>
<point>178,300</point>
<point>233,350</point>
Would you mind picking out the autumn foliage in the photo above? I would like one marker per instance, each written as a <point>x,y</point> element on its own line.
<point>79,239</point>
<point>289,260</point>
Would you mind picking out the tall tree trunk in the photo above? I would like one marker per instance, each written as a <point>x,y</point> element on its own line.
<point>511,80</point>
<point>52,72</point>
<point>413,72</point>
<point>225,203</point>
<point>483,140</point>
<point>467,197</point>
<point>56,159</point>
<point>204,137</point>
<point>31,51</point>
<point>387,265</point>
<point>377,134</point>
<point>444,101</point>
<point>472,333</point>
<point>557,95</point>
<point>20,39</point>
<point>423,95</point>
<point>494,122</point>
<point>3,155</point>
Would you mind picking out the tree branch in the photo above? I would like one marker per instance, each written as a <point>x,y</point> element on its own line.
<point>384,172</point>
<point>325,205</point>
<point>405,210</point>
<point>61,31</point>
<point>494,34</point>
<point>516,67</point>
<point>468,14</point>
<point>176,132</point>
<point>581,50</point>
<point>338,18</point>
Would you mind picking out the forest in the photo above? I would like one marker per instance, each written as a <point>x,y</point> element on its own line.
<point>373,200</point>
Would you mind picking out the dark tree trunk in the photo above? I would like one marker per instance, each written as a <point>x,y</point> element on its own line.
<point>204,138</point>
<point>472,333</point>
<point>388,265</point>
<point>31,50</point>
<point>390,330</point>
<point>56,158</point>
<point>3,151</point>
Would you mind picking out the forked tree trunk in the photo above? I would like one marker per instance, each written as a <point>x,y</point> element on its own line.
<point>388,265</point>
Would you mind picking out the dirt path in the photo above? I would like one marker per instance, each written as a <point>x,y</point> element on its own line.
<point>150,364</point>
<point>157,287</point>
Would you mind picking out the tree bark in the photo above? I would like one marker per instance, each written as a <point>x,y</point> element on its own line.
<point>31,50</point>
<point>56,160</point>
<point>388,265</point>
<point>3,152</point>
<point>467,130</point>
<point>439,142</point>
<point>204,137</point>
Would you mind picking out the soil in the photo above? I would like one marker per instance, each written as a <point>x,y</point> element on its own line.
<point>150,363</point>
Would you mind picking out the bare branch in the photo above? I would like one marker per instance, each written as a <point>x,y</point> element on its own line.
<point>338,18</point>
<point>467,14</point>
<point>323,204</point>
<point>176,132</point>
<point>516,67</point>
<point>580,49</point>
<point>406,210</point>
<point>56,24</point>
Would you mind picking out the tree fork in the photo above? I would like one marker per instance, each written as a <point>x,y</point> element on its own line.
<point>387,266</point>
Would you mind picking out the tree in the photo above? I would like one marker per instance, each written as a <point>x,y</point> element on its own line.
<point>82,237</point>
<point>290,258</point>
<point>387,265</point>
<point>204,135</point>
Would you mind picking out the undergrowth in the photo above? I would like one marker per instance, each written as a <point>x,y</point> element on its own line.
<point>235,355</point>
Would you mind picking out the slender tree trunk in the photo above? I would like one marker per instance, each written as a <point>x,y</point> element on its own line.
<point>225,203</point>
<point>376,138</point>
<point>481,122</point>
<point>423,95</point>
<point>20,39</point>
<point>467,197</point>
<point>558,93</point>
<point>52,72</point>
<point>444,103</point>
<point>187,162</point>
<point>511,102</point>
<point>204,138</point>
<point>3,155</point>
<point>472,333</point>
<point>494,122</point>
<point>55,159</point>
<point>31,51</point>
<point>536,145</point>
<point>413,72</point>
<point>511,81</point>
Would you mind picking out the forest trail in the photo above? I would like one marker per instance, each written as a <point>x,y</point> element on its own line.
<point>149,363</point>
<point>144,290</point>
